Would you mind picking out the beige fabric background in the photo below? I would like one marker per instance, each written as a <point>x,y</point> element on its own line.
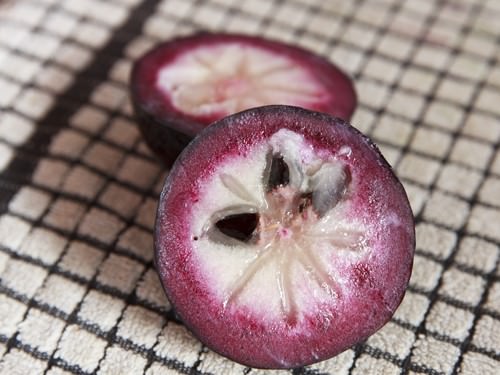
<point>78,187</point>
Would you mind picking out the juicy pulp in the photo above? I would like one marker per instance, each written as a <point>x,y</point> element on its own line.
<point>326,266</point>
<point>183,85</point>
<point>230,77</point>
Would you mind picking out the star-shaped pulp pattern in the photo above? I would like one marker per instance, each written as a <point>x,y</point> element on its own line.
<point>287,233</point>
<point>242,83</point>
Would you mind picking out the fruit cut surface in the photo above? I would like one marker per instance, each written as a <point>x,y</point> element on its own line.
<point>183,85</point>
<point>283,237</point>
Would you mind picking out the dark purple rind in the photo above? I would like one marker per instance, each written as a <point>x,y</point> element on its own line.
<point>236,334</point>
<point>163,118</point>
<point>163,140</point>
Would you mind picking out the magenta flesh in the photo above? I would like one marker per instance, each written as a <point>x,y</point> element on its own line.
<point>169,118</point>
<point>283,237</point>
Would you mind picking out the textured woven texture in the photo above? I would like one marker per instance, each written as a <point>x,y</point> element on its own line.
<point>78,187</point>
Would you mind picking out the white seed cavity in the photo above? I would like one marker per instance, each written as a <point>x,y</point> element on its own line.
<point>231,77</point>
<point>328,185</point>
<point>284,262</point>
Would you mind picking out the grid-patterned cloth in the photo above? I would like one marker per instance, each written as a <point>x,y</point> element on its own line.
<point>78,187</point>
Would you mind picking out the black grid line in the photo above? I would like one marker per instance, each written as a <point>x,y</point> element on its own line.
<point>58,117</point>
<point>334,41</point>
<point>94,285</point>
<point>434,297</point>
<point>28,155</point>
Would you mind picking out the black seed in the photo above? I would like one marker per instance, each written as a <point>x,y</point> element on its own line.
<point>279,174</point>
<point>240,226</point>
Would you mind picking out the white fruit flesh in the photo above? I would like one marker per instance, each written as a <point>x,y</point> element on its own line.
<point>298,260</point>
<point>230,77</point>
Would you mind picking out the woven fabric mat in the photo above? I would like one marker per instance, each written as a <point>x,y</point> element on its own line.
<point>78,187</point>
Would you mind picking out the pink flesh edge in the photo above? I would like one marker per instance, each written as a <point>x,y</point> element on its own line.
<point>380,279</point>
<point>340,102</point>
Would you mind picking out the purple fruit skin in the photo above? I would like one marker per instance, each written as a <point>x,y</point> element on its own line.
<point>239,335</point>
<point>158,118</point>
<point>164,140</point>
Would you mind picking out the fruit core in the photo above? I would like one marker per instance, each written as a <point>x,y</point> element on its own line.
<point>227,78</point>
<point>273,232</point>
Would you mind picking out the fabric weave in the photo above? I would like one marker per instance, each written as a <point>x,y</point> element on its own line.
<point>78,186</point>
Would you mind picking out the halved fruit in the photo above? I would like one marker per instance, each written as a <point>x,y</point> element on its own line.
<point>283,237</point>
<point>183,85</point>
